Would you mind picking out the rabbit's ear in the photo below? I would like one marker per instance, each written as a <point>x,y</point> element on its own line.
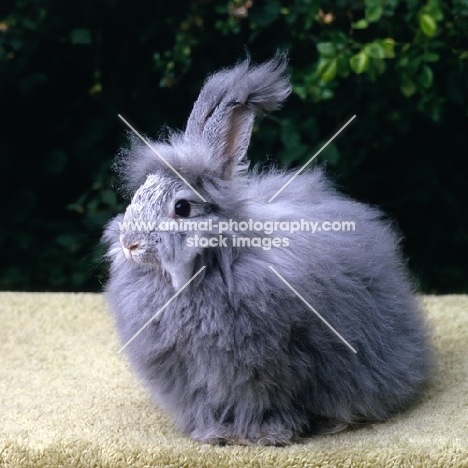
<point>224,113</point>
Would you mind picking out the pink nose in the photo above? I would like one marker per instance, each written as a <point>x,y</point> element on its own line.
<point>128,250</point>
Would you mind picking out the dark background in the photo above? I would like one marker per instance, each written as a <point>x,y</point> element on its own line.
<point>68,67</point>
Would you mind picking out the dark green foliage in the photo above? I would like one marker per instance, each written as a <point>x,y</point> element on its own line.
<point>68,67</point>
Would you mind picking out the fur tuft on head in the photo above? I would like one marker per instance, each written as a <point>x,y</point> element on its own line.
<point>219,127</point>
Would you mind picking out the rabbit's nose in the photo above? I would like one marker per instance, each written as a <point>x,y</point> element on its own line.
<point>128,247</point>
<point>127,250</point>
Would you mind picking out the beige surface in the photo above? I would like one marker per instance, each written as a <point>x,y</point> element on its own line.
<point>68,399</point>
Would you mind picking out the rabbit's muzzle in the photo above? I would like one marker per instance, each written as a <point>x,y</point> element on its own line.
<point>131,247</point>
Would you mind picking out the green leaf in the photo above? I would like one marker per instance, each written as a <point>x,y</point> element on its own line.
<point>414,64</point>
<point>373,13</point>
<point>433,8</point>
<point>407,86</point>
<point>427,24</point>
<point>427,76</point>
<point>361,24</point>
<point>80,36</point>
<point>328,70</point>
<point>300,91</point>
<point>431,57</point>
<point>326,93</point>
<point>359,62</point>
<point>403,61</point>
<point>388,46</point>
<point>374,50</point>
<point>342,65</point>
<point>378,65</point>
<point>326,49</point>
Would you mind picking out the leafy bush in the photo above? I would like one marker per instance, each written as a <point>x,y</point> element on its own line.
<point>68,68</point>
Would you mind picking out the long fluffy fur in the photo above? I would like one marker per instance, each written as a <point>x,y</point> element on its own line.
<point>237,357</point>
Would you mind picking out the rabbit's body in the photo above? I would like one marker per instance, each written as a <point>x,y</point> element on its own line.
<point>237,356</point>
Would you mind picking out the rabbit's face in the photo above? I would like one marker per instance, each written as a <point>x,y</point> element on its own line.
<point>150,234</point>
<point>210,156</point>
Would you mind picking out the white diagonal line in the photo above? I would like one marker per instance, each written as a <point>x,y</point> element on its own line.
<point>312,158</point>
<point>146,142</point>
<point>161,309</point>
<point>312,309</point>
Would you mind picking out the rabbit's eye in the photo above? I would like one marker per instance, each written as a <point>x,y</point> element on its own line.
<point>182,208</point>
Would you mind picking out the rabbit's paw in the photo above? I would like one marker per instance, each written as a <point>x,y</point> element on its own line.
<point>266,434</point>
<point>272,433</point>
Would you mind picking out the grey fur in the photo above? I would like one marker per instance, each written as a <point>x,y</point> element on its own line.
<point>237,357</point>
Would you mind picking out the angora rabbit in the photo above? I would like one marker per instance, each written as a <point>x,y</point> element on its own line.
<point>238,356</point>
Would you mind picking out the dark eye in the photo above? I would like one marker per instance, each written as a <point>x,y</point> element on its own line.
<point>182,208</point>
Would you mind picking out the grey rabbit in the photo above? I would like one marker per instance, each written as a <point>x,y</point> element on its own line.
<point>237,356</point>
